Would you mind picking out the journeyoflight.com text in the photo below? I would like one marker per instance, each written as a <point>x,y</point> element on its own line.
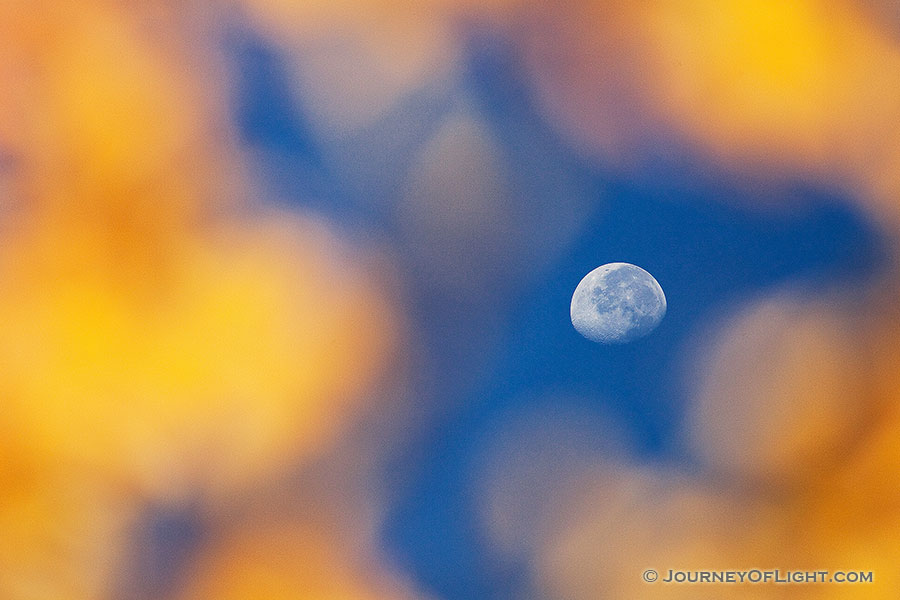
<point>673,576</point>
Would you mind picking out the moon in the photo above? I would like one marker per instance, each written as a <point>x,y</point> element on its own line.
<point>617,303</point>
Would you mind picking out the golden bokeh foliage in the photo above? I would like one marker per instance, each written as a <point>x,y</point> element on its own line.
<point>290,561</point>
<point>765,89</point>
<point>157,339</point>
<point>242,354</point>
<point>62,530</point>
